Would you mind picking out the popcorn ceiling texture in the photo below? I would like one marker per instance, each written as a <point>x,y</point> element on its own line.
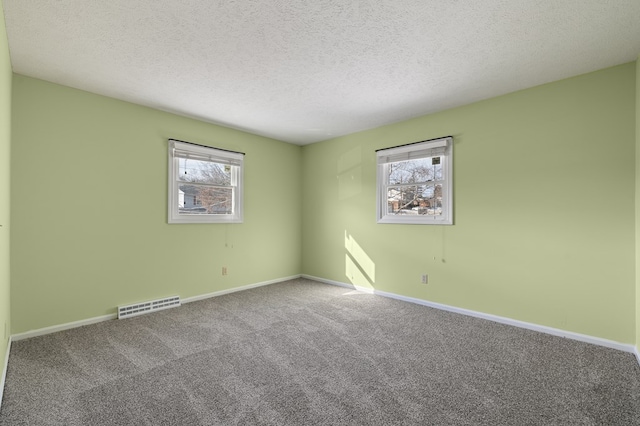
<point>305,71</point>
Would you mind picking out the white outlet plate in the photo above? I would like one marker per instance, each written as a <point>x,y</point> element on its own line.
<point>425,279</point>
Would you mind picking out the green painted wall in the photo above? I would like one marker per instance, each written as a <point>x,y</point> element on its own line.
<point>638,205</point>
<point>89,195</point>
<point>5,166</point>
<point>544,208</point>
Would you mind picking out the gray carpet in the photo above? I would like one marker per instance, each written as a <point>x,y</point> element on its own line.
<point>305,353</point>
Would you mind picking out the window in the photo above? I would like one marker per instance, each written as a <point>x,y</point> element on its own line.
<point>415,183</point>
<point>205,184</point>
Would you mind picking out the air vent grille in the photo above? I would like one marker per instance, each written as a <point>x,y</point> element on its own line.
<point>146,307</point>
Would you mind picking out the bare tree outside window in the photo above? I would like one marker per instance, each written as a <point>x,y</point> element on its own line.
<point>205,184</point>
<point>208,184</point>
<point>415,183</point>
<point>414,187</point>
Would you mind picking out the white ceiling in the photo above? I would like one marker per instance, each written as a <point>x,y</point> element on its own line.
<point>305,71</point>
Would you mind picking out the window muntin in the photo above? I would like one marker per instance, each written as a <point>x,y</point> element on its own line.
<point>415,183</point>
<point>205,184</point>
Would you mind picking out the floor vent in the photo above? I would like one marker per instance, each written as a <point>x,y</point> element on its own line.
<point>146,307</point>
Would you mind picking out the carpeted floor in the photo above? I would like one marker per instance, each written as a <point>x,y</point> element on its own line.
<point>306,353</point>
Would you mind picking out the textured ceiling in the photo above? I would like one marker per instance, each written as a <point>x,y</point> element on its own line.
<point>306,71</point>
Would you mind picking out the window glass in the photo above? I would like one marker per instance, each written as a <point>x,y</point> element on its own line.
<point>205,184</point>
<point>415,183</point>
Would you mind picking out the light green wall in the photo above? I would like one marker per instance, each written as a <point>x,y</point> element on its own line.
<point>89,195</point>
<point>638,205</point>
<point>544,208</point>
<point>5,153</point>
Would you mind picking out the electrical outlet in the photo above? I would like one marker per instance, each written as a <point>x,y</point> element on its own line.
<point>425,279</point>
<point>224,270</point>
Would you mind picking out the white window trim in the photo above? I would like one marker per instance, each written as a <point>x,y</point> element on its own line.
<point>236,159</point>
<point>412,151</point>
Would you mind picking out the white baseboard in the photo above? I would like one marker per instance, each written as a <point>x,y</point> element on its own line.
<point>55,328</point>
<point>236,289</point>
<point>503,320</point>
<point>60,327</point>
<point>4,371</point>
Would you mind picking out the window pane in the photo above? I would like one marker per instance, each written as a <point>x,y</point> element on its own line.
<point>431,201</point>
<point>194,199</point>
<point>415,171</point>
<point>204,172</point>
<point>415,190</point>
<point>415,200</point>
<point>400,199</point>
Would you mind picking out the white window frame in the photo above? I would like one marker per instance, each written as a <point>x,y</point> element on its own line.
<point>442,147</point>
<point>179,149</point>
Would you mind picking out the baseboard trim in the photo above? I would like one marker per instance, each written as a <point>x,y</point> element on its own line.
<point>4,371</point>
<point>495,318</point>
<point>237,289</point>
<point>61,327</point>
